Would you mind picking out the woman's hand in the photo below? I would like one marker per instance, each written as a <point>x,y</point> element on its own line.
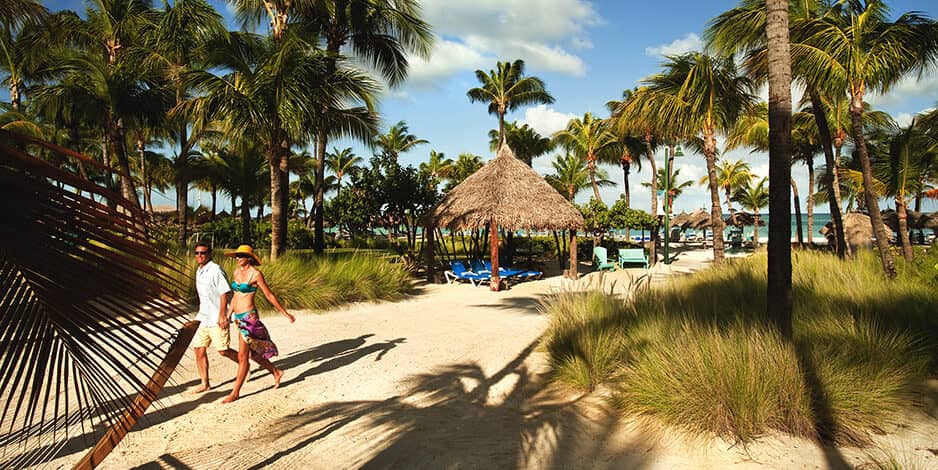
<point>290,317</point>
<point>223,321</point>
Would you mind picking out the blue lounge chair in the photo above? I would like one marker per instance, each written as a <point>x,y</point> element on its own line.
<point>460,273</point>
<point>600,262</point>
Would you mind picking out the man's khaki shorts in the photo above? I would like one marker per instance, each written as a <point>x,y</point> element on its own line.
<point>214,335</point>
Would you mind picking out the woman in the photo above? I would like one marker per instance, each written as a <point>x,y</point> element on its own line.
<point>254,338</point>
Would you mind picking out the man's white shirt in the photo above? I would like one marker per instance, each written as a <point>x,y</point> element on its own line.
<point>210,283</point>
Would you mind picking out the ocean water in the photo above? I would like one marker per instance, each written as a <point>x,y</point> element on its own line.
<point>819,221</point>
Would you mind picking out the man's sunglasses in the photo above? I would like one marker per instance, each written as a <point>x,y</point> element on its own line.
<point>203,253</point>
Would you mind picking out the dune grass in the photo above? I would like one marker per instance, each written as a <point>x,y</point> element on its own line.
<point>320,283</point>
<point>697,353</point>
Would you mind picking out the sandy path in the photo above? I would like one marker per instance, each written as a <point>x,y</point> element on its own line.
<point>450,378</point>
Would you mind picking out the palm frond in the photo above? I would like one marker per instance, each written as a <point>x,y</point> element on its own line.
<point>88,306</point>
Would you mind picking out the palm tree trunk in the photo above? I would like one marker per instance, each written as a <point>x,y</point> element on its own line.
<point>182,210</point>
<point>755,229</point>
<point>591,164</point>
<point>837,197</point>
<point>144,177</point>
<point>626,193</point>
<point>115,138</point>
<point>833,189</point>
<point>716,212</point>
<point>653,251</point>
<point>778,291</point>
<point>495,282</point>
<point>810,205</point>
<point>279,193</point>
<point>902,214</point>
<point>246,235</point>
<point>872,202</point>
<point>729,200</point>
<point>794,192</point>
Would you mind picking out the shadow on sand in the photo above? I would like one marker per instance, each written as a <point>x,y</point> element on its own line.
<point>454,417</point>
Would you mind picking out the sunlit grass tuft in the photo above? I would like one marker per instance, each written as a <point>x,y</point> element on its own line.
<point>320,283</point>
<point>697,353</point>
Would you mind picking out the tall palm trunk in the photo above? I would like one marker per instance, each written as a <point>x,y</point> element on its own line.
<point>279,197</point>
<point>872,202</point>
<point>797,199</point>
<point>833,189</point>
<point>729,199</point>
<point>716,211</point>
<point>591,165</point>
<point>626,193</point>
<point>318,199</point>
<point>117,148</point>
<point>246,236</point>
<point>902,213</point>
<point>778,289</point>
<point>810,205</point>
<point>15,92</point>
<point>144,177</point>
<point>653,251</point>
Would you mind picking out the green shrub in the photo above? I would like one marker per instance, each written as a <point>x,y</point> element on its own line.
<point>696,353</point>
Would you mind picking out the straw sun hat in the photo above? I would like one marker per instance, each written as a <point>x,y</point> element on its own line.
<point>245,250</point>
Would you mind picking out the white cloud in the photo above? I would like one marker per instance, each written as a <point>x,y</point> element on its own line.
<point>690,42</point>
<point>447,58</point>
<point>474,34</point>
<point>903,119</point>
<point>921,91</point>
<point>546,120</point>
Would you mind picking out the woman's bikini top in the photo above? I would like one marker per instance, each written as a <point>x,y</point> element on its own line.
<point>244,287</point>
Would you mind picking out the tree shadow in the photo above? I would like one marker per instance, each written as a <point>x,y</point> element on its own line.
<point>529,304</point>
<point>340,354</point>
<point>454,417</point>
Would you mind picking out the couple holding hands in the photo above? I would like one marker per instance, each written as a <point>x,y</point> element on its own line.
<point>221,303</point>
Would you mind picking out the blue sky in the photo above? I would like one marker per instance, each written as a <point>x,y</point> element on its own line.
<point>587,53</point>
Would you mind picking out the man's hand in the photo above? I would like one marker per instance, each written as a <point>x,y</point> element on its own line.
<point>223,321</point>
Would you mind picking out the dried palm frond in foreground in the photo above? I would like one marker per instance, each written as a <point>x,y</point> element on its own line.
<point>88,309</point>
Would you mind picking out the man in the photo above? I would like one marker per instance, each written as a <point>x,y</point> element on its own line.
<point>214,292</point>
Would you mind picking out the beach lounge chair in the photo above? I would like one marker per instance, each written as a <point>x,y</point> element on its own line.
<point>522,274</point>
<point>460,273</point>
<point>486,267</point>
<point>633,256</point>
<point>600,262</point>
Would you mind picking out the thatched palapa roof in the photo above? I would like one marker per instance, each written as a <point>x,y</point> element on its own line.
<point>697,220</point>
<point>915,220</point>
<point>857,229</point>
<point>511,192</point>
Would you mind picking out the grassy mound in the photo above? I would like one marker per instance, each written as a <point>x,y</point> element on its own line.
<point>697,353</point>
<point>319,283</point>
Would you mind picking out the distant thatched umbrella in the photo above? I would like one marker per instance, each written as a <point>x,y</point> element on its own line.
<point>697,220</point>
<point>505,192</point>
<point>858,231</point>
<point>743,219</point>
<point>915,220</point>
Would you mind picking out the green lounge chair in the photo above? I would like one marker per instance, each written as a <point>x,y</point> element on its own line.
<point>633,256</point>
<point>600,262</point>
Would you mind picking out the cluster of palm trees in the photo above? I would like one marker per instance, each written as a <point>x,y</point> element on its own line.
<point>230,107</point>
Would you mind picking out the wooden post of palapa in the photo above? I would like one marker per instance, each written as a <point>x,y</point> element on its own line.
<point>495,283</point>
<point>573,259</point>
<point>429,251</point>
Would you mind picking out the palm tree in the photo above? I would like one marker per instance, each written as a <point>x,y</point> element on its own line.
<point>466,164</point>
<point>16,50</point>
<point>699,95</point>
<point>438,167</point>
<point>778,290</point>
<point>743,29</point>
<point>630,145</point>
<point>673,188</point>
<point>378,33</point>
<point>182,40</point>
<point>731,175</point>
<point>590,140</point>
<point>524,141</point>
<point>753,198</point>
<point>341,163</point>
<point>506,88</point>
<point>572,176</point>
<point>397,140</point>
<point>270,92</point>
<point>859,47</point>
<point>899,165</point>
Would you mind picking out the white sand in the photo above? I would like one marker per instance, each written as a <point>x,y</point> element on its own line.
<point>450,378</point>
